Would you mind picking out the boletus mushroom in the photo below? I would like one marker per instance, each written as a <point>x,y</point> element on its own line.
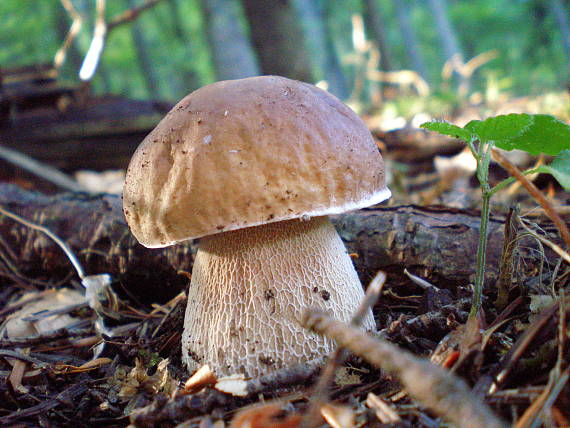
<point>253,167</point>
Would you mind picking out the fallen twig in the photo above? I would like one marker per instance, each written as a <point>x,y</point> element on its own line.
<point>59,334</point>
<point>76,23</point>
<point>69,395</point>
<point>41,170</point>
<point>5,353</point>
<point>101,33</point>
<point>312,417</point>
<point>185,406</point>
<point>431,385</point>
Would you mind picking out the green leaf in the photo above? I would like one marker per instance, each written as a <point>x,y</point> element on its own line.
<point>545,135</point>
<point>560,169</point>
<point>446,128</point>
<point>500,128</point>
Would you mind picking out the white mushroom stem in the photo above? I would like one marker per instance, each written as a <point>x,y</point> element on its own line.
<point>249,289</point>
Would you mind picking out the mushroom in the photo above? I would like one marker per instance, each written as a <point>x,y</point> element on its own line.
<point>253,167</point>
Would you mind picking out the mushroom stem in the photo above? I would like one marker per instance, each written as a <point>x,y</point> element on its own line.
<point>249,289</point>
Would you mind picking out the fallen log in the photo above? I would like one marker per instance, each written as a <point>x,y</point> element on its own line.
<point>438,244</point>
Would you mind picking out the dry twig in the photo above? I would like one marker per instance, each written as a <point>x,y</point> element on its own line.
<point>541,407</point>
<point>47,172</point>
<point>433,386</point>
<point>101,32</point>
<point>320,395</point>
<point>185,406</point>
<point>69,395</point>
<point>521,345</point>
<point>76,23</point>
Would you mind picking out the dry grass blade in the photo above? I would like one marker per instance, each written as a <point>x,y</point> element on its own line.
<point>541,407</point>
<point>536,194</point>
<point>95,285</point>
<point>434,387</point>
<point>53,236</point>
<point>507,268</point>
<point>522,344</point>
<point>563,254</point>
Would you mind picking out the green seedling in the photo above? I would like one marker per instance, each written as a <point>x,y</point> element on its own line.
<point>534,134</point>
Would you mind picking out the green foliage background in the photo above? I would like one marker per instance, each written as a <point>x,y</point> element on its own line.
<point>531,54</point>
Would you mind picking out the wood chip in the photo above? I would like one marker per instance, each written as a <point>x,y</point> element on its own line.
<point>203,377</point>
<point>338,416</point>
<point>383,410</point>
<point>235,385</point>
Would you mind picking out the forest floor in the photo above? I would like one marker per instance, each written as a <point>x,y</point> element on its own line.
<point>114,360</point>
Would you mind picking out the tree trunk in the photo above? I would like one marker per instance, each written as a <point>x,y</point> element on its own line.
<point>335,65</point>
<point>175,16</point>
<point>232,53</point>
<point>188,80</point>
<point>410,39</point>
<point>374,23</point>
<point>561,14</point>
<point>142,51</point>
<point>278,39</point>
<point>322,50</point>
<point>444,30</point>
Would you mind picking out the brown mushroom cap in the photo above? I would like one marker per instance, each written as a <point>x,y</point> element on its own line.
<point>242,153</point>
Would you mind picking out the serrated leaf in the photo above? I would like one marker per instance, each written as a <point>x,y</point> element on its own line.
<point>446,128</point>
<point>559,168</point>
<point>545,135</point>
<point>500,128</point>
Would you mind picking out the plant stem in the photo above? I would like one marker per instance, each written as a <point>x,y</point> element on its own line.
<point>507,181</point>
<point>483,176</point>
<point>481,254</point>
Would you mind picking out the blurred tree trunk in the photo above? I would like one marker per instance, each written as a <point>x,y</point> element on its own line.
<point>444,30</point>
<point>278,38</point>
<point>340,86</point>
<point>142,52</point>
<point>189,77</point>
<point>175,15</point>
<point>231,51</point>
<point>410,38</point>
<point>374,24</point>
<point>321,47</point>
<point>561,15</point>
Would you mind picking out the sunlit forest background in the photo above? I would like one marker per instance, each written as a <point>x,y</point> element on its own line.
<point>353,47</point>
<point>468,103</point>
